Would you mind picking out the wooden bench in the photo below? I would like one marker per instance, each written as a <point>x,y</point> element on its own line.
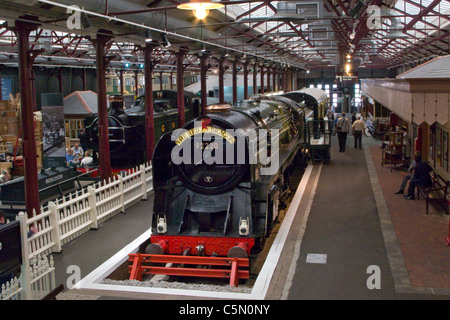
<point>437,192</point>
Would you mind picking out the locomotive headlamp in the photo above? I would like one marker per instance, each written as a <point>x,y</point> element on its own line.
<point>244,228</point>
<point>162,224</point>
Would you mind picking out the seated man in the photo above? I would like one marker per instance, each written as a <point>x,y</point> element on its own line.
<point>407,175</point>
<point>5,176</point>
<point>87,161</point>
<point>421,177</point>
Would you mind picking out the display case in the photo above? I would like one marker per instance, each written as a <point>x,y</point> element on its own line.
<point>394,150</point>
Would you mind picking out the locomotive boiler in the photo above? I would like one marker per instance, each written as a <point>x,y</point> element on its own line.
<point>214,194</point>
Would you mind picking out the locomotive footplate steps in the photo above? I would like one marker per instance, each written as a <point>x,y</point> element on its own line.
<point>233,268</point>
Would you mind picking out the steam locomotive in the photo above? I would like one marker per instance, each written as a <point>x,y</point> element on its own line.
<point>127,127</point>
<point>227,207</point>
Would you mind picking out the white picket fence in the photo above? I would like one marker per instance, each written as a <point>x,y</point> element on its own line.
<point>66,219</point>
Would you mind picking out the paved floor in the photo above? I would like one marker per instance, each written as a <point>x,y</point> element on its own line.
<point>350,223</point>
<point>366,233</point>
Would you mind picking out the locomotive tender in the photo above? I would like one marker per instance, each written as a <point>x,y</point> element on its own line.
<point>227,208</point>
<point>127,127</point>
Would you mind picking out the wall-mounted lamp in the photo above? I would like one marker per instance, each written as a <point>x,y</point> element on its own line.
<point>200,7</point>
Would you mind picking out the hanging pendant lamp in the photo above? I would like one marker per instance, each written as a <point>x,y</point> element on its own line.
<point>200,7</point>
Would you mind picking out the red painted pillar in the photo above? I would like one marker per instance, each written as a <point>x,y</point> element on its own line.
<point>221,84</point>
<point>245,80</point>
<point>180,87</point>
<point>136,83</point>
<point>234,81</point>
<point>121,82</point>
<point>149,117</point>
<point>33,88</point>
<point>268,79</point>
<point>26,58</point>
<point>84,79</point>
<point>203,88</point>
<point>102,63</point>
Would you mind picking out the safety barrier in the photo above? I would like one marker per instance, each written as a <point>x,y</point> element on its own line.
<point>70,216</point>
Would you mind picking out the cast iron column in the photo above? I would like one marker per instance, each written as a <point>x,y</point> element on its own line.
<point>60,80</point>
<point>262,80</point>
<point>274,79</point>
<point>180,87</point>
<point>294,80</point>
<point>268,79</point>
<point>83,77</point>
<point>203,88</point>
<point>245,80</point>
<point>221,84</point>
<point>149,117</point>
<point>26,58</point>
<point>234,79</point>
<point>102,62</point>
<point>121,82</point>
<point>255,75</point>
<point>33,88</point>
<point>161,81</point>
<point>136,83</point>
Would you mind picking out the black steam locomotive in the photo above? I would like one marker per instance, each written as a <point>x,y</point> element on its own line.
<point>211,197</point>
<point>127,127</point>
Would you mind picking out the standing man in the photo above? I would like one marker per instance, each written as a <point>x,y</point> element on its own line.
<point>357,129</point>
<point>342,129</point>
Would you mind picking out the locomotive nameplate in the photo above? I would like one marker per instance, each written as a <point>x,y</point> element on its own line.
<point>198,130</point>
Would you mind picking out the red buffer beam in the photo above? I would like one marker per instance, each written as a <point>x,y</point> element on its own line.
<point>235,268</point>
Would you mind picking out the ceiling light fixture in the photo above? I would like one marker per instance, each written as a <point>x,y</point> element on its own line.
<point>148,36</point>
<point>165,41</point>
<point>200,7</point>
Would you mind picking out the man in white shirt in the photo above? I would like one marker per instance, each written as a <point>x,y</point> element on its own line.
<point>87,161</point>
<point>357,129</point>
